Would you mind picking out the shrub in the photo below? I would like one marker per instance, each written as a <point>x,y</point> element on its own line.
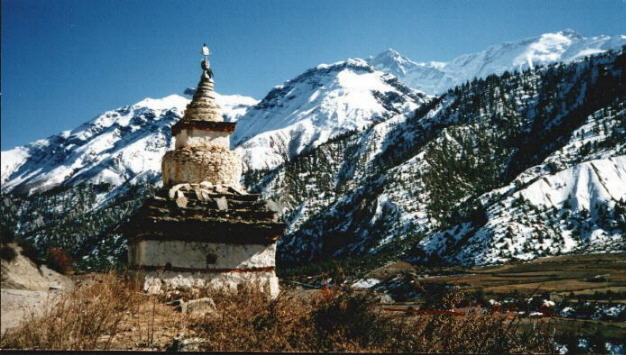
<point>7,253</point>
<point>332,320</point>
<point>349,321</point>
<point>60,261</point>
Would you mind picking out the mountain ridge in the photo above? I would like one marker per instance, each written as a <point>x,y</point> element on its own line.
<point>323,102</point>
<point>116,147</point>
<point>437,77</point>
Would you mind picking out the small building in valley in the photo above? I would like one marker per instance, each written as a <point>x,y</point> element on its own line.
<point>203,230</point>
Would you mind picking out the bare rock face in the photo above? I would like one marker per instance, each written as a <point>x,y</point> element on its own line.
<point>195,164</point>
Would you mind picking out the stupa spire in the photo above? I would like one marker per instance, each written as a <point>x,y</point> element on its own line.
<point>203,106</point>
<point>202,145</point>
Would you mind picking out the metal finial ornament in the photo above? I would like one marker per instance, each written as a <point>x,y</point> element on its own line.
<point>206,65</point>
<point>206,51</point>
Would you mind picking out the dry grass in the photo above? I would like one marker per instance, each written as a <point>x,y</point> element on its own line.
<point>84,319</point>
<point>110,313</point>
<point>347,321</point>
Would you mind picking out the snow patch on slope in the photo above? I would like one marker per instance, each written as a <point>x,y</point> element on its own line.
<point>578,191</point>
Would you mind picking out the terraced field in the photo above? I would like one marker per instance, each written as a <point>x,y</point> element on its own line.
<point>562,275</point>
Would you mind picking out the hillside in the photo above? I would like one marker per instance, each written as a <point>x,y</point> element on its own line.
<point>318,105</point>
<point>533,160</point>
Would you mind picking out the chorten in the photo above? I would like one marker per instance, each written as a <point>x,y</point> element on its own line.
<point>202,229</point>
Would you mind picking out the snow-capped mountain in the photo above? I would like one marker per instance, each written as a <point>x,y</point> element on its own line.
<point>119,146</point>
<point>437,77</point>
<point>126,144</point>
<point>319,104</point>
<point>510,167</point>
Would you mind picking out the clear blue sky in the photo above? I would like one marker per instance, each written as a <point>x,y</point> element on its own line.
<point>65,61</point>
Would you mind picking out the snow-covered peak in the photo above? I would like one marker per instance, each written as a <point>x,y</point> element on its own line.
<point>164,103</point>
<point>316,106</point>
<point>548,48</point>
<point>437,77</point>
<point>350,62</point>
<point>570,33</point>
<point>393,62</point>
<point>118,146</point>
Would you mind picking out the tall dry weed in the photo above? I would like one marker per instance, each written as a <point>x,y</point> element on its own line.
<point>86,318</point>
<point>349,321</point>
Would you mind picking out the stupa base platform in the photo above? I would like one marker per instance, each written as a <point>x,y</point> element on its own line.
<point>199,236</point>
<point>161,281</point>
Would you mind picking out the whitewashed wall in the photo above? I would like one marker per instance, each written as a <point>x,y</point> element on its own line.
<point>191,254</point>
<point>196,137</point>
<point>157,281</point>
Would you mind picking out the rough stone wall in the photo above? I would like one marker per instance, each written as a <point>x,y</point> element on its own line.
<point>196,137</point>
<point>201,255</point>
<point>215,164</point>
<point>161,281</point>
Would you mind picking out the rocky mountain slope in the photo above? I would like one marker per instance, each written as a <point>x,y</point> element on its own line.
<point>437,77</point>
<point>509,167</point>
<point>119,147</point>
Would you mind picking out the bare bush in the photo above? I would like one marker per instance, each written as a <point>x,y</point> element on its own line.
<point>60,260</point>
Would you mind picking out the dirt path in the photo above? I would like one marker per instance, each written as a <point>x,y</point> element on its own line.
<point>17,305</point>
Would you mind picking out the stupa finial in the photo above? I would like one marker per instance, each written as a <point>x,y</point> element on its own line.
<point>206,65</point>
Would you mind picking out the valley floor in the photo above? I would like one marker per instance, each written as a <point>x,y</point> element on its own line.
<point>136,321</point>
<point>567,275</point>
